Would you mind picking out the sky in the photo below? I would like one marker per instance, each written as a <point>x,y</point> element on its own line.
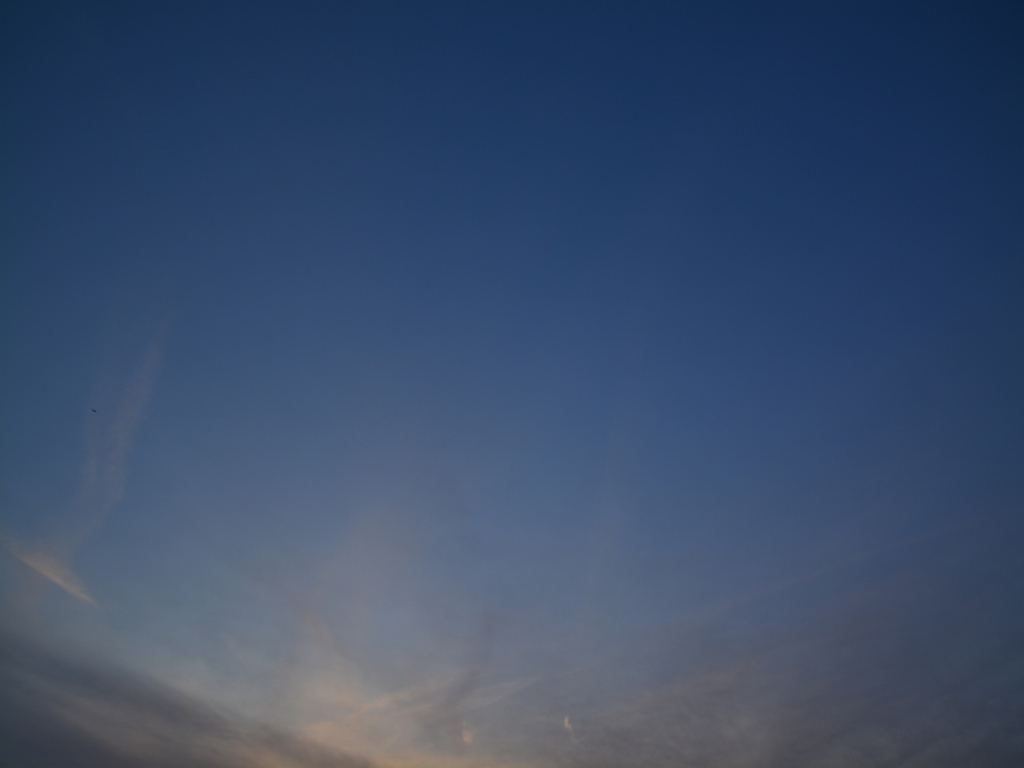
<point>511,384</point>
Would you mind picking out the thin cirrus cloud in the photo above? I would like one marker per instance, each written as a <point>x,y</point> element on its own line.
<point>870,668</point>
<point>74,711</point>
<point>103,477</point>
<point>51,568</point>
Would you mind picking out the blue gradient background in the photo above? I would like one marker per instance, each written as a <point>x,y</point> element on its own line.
<point>512,384</point>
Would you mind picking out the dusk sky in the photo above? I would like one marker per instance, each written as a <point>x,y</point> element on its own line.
<point>512,384</point>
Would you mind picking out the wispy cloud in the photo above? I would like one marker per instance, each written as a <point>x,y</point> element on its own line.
<point>907,661</point>
<point>49,567</point>
<point>58,710</point>
<point>106,468</point>
<point>103,475</point>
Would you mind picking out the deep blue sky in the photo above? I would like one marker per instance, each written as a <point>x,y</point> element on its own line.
<point>512,384</point>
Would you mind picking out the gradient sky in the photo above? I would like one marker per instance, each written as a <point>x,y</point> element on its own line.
<point>512,384</point>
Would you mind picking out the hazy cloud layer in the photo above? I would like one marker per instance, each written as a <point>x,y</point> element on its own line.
<point>905,659</point>
<point>908,657</point>
<point>564,385</point>
<point>59,711</point>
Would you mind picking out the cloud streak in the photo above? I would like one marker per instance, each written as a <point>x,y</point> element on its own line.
<point>47,566</point>
<point>103,476</point>
<point>909,661</point>
<point>56,710</point>
<point>106,469</point>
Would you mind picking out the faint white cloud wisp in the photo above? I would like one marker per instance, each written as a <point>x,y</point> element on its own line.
<point>103,476</point>
<point>49,567</point>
